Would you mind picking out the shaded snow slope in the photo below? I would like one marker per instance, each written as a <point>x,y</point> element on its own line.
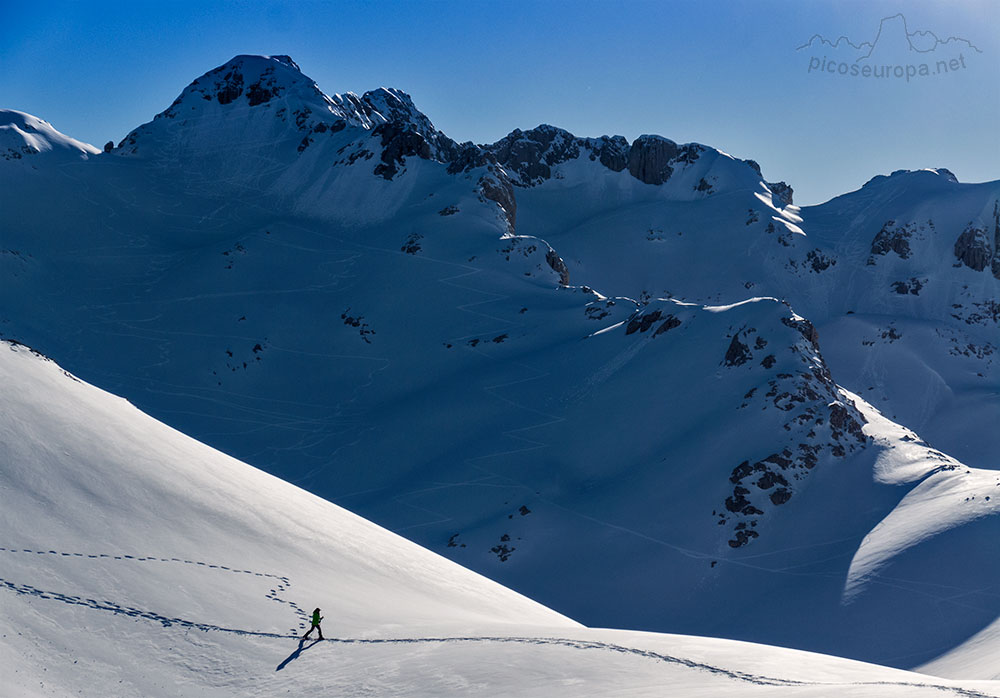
<point>432,375</point>
<point>898,277</point>
<point>136,561</point>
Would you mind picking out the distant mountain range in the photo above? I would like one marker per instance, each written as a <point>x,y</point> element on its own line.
<point>632,381</point>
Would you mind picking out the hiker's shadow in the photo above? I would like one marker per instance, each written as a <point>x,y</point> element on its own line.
<point>298,650</point>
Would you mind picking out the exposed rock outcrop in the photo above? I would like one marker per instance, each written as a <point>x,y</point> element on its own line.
<point>979,247</point>
<point>399,142</point>
<point>973,248</point>
<point>819,420</point>
<point>649,159</point>
<point>558,266</point>
<point>611,151</point>
<point>738,353</point>
<point>528,156</point>
<point>496,186</point>
<point>781,192</point>
<point>892,238</point>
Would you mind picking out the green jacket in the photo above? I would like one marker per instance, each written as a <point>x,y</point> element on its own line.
<point>316,618</point>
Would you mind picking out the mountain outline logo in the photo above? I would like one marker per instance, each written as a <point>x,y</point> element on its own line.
<point>930,40</point>
<point>895,52</point>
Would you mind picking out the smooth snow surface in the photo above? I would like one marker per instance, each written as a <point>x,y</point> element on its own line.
<point>23,136</point>
<point>136,561</point>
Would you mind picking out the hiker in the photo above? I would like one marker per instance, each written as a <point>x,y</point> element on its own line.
<point>315,625</point>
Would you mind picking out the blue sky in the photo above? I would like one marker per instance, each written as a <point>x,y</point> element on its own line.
<point>726,74</point>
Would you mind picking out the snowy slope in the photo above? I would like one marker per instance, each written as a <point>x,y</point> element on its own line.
<point>25,136</point>
<point>329,289</point>
<point>112,521</point>
<point>899,277</point>
<point>914,323</point>
<point>137,561</point>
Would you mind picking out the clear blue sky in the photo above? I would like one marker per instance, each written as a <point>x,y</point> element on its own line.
<point>726,74</point>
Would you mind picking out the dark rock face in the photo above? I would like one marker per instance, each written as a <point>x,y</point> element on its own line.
<point>649,159</point>
<point>109,146</point>
<point>406,133</point>
<point>528,158</point>
<point>558,266</point>
<point>670,323</point>
<point>503,551</point>
<point>469,157</point>
<point>398,142</point>
<point>230,87</point>
<point>974,249</point>
<point>320,127</point>
<point>739,504</point>
<point>912,286</point>
<point>738,353</point>
<point>818,261</point>
<point>530,155</point>
<point>805,328</point>
<point>843,420</point>
<point>892,239</point>
<point>781,192</point>
<point>412,243</point>
<point>403,117</point>
<point>259,93</point>
<point>498,188</point>
<point>641,322</point>
<point>612,151</point>
<point>689,153</point>
<point>780,496</point>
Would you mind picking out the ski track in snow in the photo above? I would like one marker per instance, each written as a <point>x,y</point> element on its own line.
<point>284,583</point>
<point>282,586</point>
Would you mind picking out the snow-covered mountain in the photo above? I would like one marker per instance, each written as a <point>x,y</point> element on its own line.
<point>137,561</point>
<point>630,380</point>
<point>24,136</point>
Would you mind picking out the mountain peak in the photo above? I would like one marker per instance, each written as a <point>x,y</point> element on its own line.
<point>252,58</point>
<point>22,134</point>
<point>246,92</point>
<point>253,79</point>
<point>396,108</point>
<point>287,60</point>
<point>393,104</point>
<point>269,95</point>
<point>936,175</point>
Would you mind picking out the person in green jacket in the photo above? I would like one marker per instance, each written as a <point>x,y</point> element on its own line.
<point>316,618</point>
